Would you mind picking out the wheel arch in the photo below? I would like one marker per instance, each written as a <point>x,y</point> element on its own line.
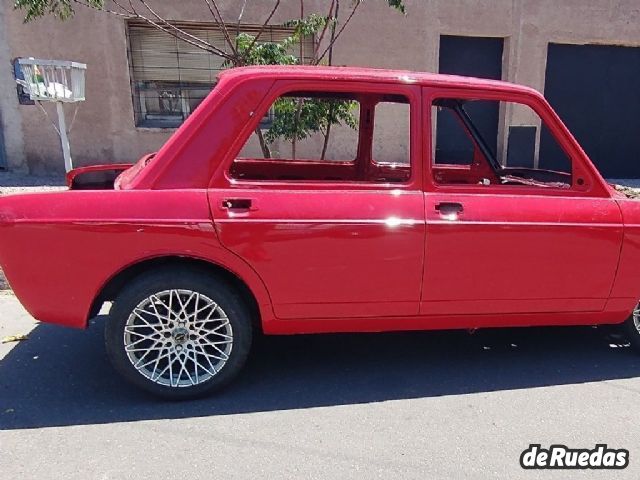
<point>253,291</point>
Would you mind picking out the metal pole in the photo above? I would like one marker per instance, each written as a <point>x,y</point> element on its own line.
<point>62,126</point>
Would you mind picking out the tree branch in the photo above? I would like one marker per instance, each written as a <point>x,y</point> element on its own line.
<point>244,5</point>
<point>324,30</point>
<point>117,3</point>
<point>113,12</point>
<point>264,26</point>
<point>327,133</point>
<point>333,36</point>
<point>214,50</point>
<point>208,46</point>
<point>266,151</point>
<point>300,42</point>
<point>173,30</point>
<point>217,16</point>
<point>344,25</point>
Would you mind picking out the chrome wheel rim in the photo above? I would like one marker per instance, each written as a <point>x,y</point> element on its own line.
<point>636,317</point>
<point>178,338</point>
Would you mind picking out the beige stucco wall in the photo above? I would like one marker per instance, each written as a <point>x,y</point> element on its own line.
<point>10,116</point>
<point>104,129</point>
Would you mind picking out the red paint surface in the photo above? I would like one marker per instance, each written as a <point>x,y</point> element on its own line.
<point>342,255</point>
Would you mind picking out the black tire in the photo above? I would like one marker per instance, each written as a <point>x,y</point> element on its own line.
<point>631,332</point>
<point>169,281</point>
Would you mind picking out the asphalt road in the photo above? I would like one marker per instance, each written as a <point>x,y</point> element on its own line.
<point>408,405</point>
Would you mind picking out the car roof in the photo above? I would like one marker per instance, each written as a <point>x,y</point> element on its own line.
<point>305,72</point>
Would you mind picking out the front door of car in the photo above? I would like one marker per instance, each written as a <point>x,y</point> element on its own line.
<point>330,236</point>
<point>533,237</point>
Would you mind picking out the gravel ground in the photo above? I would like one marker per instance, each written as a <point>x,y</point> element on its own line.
<point>13,182</point>
<point>629,182</point>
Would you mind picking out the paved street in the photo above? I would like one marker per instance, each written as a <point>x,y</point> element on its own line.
<point>410,405</point>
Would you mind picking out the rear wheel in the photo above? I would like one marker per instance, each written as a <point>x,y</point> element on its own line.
<point>178,334</point>
<point>631,328</point>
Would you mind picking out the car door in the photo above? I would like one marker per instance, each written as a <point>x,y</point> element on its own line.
<point>533,240</point>
<point>329,238</point>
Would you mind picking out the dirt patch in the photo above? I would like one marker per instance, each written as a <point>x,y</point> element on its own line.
<point>3,281</point>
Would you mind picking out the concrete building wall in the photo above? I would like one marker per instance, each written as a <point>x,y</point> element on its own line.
<point>10,115</point>
<point>104,130</point>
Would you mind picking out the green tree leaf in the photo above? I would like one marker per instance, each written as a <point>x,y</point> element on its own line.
<point>62,9</point>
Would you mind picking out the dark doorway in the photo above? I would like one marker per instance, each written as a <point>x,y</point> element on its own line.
<point>594,89</point>
<point>472,57</point>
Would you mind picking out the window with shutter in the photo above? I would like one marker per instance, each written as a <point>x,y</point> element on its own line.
<point>170,77</point>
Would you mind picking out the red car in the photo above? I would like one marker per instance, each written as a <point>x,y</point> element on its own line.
<point>321,199</point>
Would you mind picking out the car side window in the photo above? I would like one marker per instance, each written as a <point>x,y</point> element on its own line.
<point>391,133</point>
<point>329,137</point>
<point>487,142</point>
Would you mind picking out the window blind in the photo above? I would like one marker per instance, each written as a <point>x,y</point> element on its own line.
<point>156,56</point>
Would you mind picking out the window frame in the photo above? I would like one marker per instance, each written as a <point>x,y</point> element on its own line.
<point>270,114</point>
<point>584,182</point>
<point>373,137</point>
<point>139,91</point>
<point>281,87</point>
<point>165,122</point>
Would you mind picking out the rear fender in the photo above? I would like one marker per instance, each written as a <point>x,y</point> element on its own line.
<point>58,250</point>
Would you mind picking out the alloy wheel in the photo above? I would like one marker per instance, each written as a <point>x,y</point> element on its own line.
<point>178,338</point>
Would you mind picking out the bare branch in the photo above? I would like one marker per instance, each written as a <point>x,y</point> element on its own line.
<point>244,5</point>
<point>327,133</point>
<point>333,36</point>
<point>217,16</point>
<point>266,152</point>
<point>119,5</point>
<point>264,25</point>
<point>113,12</point>
<point>181,31</point>
<point>213,14</point>
<point>300,42</point>
<point>213,50</point>
<point>344,25</point>
<point>161,24</point>
<point>324,30</point>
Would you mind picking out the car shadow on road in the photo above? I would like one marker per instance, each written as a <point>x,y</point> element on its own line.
<point>62,376</point>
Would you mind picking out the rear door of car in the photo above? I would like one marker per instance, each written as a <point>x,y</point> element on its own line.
<point>350,244</point>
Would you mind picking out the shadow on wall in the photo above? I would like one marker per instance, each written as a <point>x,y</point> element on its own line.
<point>62,376</point>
